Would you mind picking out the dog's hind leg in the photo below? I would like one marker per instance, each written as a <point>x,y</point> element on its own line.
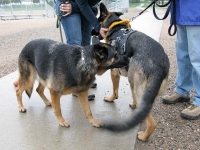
<point>151,126</point>
<point>115,82</point>
<point>19,91</point>
<point>25,81</point>
<point>24,85</point>
<point>55,97</point>
<point>40,90</point>
<point>134,103</point>
<point>83,97</point>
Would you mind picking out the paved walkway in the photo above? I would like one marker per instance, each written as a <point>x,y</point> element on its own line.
<point>37,129</point>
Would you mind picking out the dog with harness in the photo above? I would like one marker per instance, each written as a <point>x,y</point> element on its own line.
<point>147,71</point>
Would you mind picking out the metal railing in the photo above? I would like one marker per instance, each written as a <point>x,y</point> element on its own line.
<point>26,11</point>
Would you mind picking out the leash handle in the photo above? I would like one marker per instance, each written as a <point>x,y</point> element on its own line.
<point>166,14</point>
<point>173,24</point>
<point>59,17</point>
<point>154,3</point>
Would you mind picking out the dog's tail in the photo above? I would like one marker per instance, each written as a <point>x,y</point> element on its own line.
<point>143,108</point>
<point>26,76</point>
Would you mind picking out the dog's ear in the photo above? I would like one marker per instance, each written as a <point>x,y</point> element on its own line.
<point>101,51</point>
<point>118,13</point>
<point>103,12</point>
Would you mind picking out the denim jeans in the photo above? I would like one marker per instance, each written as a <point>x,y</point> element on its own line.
<point>188,61</point>
<point>77,29</point>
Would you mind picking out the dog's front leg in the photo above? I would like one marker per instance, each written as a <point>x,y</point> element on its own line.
<point>83,97</point>
<point>115,82</point>
<point>55,97</point>
<point>40,90</point>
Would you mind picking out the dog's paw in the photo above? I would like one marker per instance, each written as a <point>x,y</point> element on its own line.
<point>22,109</point>
<point>48,103</point>
<point>142,136</point>
<point>64,123</point>
<point>109,98</point>
<point>133,106</point>
<point>96,123</point>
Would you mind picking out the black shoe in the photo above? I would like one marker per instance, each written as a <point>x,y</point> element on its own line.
<point>94,85</point>
<point>91,97</point>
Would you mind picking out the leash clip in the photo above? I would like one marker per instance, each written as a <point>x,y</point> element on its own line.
<point>133,18</point>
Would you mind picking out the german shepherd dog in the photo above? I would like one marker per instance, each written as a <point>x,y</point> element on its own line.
<point>63,69</point>
<point>147,72</point>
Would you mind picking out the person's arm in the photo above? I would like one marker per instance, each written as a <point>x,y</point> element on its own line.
<point>86,10</point>
<point>75,8</point>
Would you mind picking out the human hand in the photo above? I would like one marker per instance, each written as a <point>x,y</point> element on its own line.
<point>66,8</point>
<point>103,32</point>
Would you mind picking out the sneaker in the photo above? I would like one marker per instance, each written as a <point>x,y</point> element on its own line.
<point>91,97</point>
<point>94,85</point>
<point>191,113</point>
<point>174,98</point>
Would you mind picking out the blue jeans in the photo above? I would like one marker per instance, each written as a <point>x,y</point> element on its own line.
<point>77,29</point>
<point>188,61</point>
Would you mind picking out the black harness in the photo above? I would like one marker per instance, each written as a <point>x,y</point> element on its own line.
<point>120,38</point>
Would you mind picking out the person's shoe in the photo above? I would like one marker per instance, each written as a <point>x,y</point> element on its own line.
<point>174,98</point>
<point>94,85</point>
<point>91,97</point>
<point>191,113</point>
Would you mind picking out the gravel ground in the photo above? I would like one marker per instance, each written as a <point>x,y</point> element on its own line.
<point>172,133</point>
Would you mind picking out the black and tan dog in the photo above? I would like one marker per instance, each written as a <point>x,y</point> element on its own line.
<point>147,71</point>
<point>63,69</point>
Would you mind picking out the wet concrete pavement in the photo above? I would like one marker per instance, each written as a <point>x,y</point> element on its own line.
<point>37,129</point>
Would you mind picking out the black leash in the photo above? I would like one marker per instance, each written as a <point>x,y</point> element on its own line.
<point>58,25</point>
<point>169,3</point>
<point>59,17</point>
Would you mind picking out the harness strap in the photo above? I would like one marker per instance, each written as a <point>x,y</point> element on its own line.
<point>124,21</point>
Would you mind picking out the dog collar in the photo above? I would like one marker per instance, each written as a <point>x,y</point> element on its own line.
<point>124,21</point>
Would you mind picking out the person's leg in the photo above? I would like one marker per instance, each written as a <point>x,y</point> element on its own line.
<point>86,29</point>
<point>183,79</point>
<point>193,32</point>
<point>73,31</point>
<point>72,28</point>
